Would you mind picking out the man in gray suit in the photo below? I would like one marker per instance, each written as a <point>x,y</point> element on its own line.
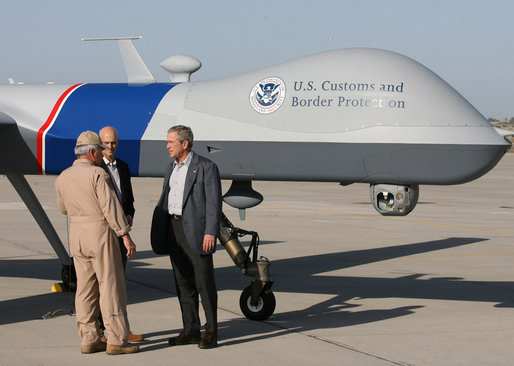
<point>191,198</point>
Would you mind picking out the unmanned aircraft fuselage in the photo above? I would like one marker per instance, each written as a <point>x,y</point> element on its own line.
<point>350,116</point>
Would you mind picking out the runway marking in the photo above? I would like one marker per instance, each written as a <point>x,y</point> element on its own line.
<point>13,206</point>
<point>396,219</point>
<point>460,255</point>
<point>360,260</point>
<point>17,263</point>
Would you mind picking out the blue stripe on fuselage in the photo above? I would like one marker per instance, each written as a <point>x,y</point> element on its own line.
<point>126,107</point>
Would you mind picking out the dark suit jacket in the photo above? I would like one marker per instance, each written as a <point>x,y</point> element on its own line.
<point>201,206</point>
<point>127,201</point>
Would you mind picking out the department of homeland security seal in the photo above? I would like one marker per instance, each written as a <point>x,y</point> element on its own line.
<point>267,95</point>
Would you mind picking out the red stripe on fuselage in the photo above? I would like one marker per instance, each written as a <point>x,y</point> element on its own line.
<point>48,123</point>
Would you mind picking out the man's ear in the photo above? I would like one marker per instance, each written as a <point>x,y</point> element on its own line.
<point>91,154</point>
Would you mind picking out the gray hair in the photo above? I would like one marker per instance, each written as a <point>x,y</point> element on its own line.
<point>82,150</point>
<point>184,133</point>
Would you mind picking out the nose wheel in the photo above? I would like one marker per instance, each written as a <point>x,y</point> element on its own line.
<point>257,302</point>
<point>261,309</point>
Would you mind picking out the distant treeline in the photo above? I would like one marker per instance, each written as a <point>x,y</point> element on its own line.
<point>505,121</point>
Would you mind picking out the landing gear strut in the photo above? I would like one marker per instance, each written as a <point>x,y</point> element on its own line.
<point>257,301</point>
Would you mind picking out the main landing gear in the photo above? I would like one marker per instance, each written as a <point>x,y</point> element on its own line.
<point>257,301</point>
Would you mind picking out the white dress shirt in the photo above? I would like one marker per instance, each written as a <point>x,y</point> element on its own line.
<point>177,183</point>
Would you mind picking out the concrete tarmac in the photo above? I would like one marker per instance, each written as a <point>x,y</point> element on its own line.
<point>352,287</point>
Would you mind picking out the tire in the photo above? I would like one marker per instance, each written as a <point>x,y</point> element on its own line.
<point>264,308</point>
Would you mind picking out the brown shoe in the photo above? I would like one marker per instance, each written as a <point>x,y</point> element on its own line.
<point>119,350</point>
<point>95,347</point>
<point>135,337</point>
<point>184,338</point>
<point>208,341</point>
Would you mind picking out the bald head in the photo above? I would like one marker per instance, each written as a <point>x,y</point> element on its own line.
<point>109,137</point>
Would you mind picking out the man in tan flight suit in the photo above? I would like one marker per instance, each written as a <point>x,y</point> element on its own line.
<point>85,193</point>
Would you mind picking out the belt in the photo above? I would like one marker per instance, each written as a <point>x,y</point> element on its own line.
<point>85,219</point>
<point>176,217</point>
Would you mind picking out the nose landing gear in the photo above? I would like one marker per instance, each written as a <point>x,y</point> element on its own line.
<point>262,309</point>
<point>257,301</point>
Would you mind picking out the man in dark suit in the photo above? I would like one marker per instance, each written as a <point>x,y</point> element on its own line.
<point>191,201</point>
<point>119,172</point>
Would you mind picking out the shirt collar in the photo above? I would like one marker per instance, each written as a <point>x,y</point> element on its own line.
<point>107,161</point>
<point>186,162</point>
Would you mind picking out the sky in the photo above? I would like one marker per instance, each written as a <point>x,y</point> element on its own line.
<point>469,43</point>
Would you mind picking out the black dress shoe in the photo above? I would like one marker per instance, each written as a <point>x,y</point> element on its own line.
<point>184,338</point>
<point>208,341</point>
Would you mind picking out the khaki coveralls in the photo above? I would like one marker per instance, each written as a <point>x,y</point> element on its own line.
<point>85,194</point>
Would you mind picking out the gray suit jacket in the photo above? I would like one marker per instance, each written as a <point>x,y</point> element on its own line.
<point>201,207</point>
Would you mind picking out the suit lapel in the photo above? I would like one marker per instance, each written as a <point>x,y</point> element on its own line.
<point>168,176</point>
<point>163,201</point>
<point>190,178</point>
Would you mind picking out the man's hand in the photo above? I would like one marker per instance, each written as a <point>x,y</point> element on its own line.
<point>129,244</point>
<point>208,242</point>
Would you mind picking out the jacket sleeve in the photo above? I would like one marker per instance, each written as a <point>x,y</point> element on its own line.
<point>60,203</point>
<point>110,205</point>
<point>213,201</point>
<point>128,195</point>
